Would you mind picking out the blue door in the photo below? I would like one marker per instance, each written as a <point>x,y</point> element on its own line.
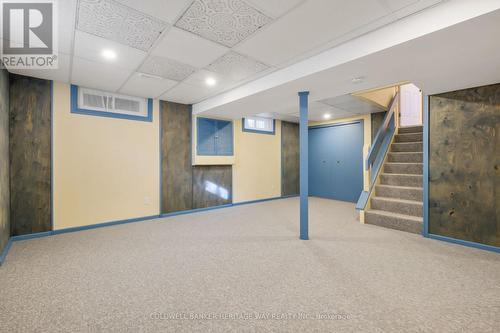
<point>336,161</point>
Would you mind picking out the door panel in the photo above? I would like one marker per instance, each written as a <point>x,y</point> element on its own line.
<point>336,161</point>
<point>411,105</point>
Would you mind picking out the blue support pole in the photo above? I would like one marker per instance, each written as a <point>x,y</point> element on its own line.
<point>425,231</point>
<point>304,165</point>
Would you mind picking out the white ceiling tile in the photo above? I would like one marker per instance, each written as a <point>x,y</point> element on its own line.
<point>199,78</point>
<point>394,5</point>
<point>316,23</point>
<point>97,75</point>
<point>89,47</point>
<point>144,86</point>
<point>66,16</point>
<point>186,94</point>
<point>167,68</point>
<point>114,21</point>
<point>60,74</point>
<point>167,11</point>
<point>275,8</point>
<point>188,48</point>
<point>224,21</point>
<point>236,67</point>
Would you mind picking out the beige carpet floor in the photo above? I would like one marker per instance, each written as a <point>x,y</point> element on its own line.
<point>243,269</point>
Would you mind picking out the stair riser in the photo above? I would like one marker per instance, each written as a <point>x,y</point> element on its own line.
<point>405,157</point>
<point>407,147</point>
<point>405,194</point>
<point>410,137</point>
<point>397,207</point>
<point>414,129</point>
<point>393,223</point>
<point>401,180</point>
<point>411,169</point>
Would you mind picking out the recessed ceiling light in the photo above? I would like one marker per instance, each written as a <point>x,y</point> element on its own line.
<point>327,116</point>
<point>210,81</point>
<point>358,79</point>
<point>108,54</point>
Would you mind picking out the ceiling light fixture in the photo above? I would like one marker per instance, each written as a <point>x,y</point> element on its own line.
<point>108,54</point>
<point>359,79</point>
<point>327,116</point>
<point>210,81</point>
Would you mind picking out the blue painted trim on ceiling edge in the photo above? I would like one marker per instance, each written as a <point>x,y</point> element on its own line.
<point>12,239</point>
<point>337,124</point>
<point>76,110</point>
<point>425,192</point>
<point>6,249</point>
<point>257,131</point>
<point>304,165</point>
<point>465,243</point>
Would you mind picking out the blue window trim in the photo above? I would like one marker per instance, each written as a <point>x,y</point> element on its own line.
<point>231,153</point>
<point>75,109</point>
<point>258,131</point>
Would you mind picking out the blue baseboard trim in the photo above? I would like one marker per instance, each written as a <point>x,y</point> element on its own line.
<point>465,243</point>
<point>6,249</point>
<point>12,239</point>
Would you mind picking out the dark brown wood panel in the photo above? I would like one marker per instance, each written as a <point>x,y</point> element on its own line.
<point>4,159</point>
<point>464,163</point>
<point>30,155</point>
<point>290,163</point>
<point>212,185</point>
<point>176,169</point>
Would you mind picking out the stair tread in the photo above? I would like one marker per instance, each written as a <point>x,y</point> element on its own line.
<point>403,163</point>
<point>396,215</point>
<point>407,143</point>
<point>413,202</point>
<point>405,152</point>
<point>400,174</point>
<point>401,187</point>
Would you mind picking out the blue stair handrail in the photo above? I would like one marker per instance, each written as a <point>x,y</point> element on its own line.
<point>378,150</point>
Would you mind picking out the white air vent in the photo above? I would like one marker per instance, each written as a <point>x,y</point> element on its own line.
<point>95,100</point>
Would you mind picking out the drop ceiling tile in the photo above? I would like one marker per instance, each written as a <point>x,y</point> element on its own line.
<point>167,68</point>
<point>144,86</point>
<point>199,78</point>
<point>167,11</point>
<point>235,66</point>
<point>394,5</point>
<point>112,20</point>
<point>97,75</point>
<point>275,8</point>
<point>60,74</point>
<point>188,48</point>
<point>66,16</point>
<point>186,94</point>
<point>89,47</point>
<point>315,24</point>
<point>224,21</point>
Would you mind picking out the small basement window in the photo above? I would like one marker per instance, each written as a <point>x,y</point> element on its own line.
<point>105,104</point>
<point>259,125</point>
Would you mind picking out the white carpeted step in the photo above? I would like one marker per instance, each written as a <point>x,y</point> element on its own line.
<point>394,221</point>
<point>400,206</point>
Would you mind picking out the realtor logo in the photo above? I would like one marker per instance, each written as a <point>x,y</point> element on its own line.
<point>28,32</point>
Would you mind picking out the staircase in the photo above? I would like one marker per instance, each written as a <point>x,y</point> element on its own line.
<point>397,202</point>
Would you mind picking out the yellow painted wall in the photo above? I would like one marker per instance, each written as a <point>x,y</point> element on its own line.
<point>257,168</point>
<point>367,139</point>
<point>105,169</point>
<point>380,96</point>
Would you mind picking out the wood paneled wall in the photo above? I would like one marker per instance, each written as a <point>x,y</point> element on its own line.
<point>290,162</point>
<point>30,155</point>
<point>464,163</point>
<point>176,175</point>
<point>183,186</point>
<point>4,160</point>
